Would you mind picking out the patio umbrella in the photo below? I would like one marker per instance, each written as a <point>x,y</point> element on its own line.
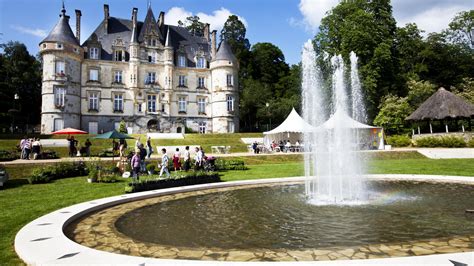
<point>113,135</point>
<point>68,131</point>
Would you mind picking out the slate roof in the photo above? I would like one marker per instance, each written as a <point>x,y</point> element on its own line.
<point>148,25</point>
<point>225,52</point>
<point>441,105</point>
<point>179,38</point>
<point>62,31</point>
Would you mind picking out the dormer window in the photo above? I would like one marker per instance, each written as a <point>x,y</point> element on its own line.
<point>59,45</point>
<point>201,62</point>
<point>181,61</point>
<point>94,53</point>
<point>119,55</point>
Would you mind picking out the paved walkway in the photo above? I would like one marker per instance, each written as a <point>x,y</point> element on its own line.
<point>432,153</point>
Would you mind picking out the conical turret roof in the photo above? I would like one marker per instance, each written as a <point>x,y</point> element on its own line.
<point>149,26</point>
<point>62,31</point>
<point>225,52</point>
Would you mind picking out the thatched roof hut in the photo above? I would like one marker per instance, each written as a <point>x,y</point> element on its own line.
<point>443,105</point>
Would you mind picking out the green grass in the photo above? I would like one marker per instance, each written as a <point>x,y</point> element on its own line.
<point>98,145</point>
<point>22,203</point>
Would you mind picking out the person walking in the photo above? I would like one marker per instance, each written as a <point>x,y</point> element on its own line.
<point>187,159</point>
<point>142,159</point>
<point>177,160</point>
<point>198,159</point>
<point>27,147</point>
<point>22,147</point>
<point>164,163</point>
<point>135,163</point>
<point>149,147</point>
<point>87,146</point>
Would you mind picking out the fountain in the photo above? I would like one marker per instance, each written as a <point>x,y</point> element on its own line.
<point>333,167</point>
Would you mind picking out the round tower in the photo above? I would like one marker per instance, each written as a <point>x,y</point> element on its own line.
<point>224,92</point>
<point>61,89</point>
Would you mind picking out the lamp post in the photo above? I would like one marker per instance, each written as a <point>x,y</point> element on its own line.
<point>269,116</point>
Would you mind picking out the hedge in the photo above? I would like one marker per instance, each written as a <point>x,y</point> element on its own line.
<point>193,178</point>
<point>57,171</point>
<point>222,164</point>
<point>446,142</point>
<point>399,140</point>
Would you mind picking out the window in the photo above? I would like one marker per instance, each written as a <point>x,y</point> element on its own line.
<point>59,45</point>
<point>94,53</point>
<point>152,57</point>
<point>94,74</point>
<point>118,76</point>
<point>118,103</point>
<point>139,106</point>
<point>201,105</point>
<point>93,127</point>
<point>181,61</point>
<point>201,62</point>
<point>93,101</point>
<point>201,82</point>
<point>230,127</point>
<point>162,107</point>
<point>230,80</point>
<point>153,42</point>
<point>182,81</point>
<point>58,124</point>
<point>182,105</point>
<point>230,103</point>
<point>151,78</point>
<point>60,68</point>
<point>202,127</point>
<point>118,55</point>
<point>152,103</point>
<point>59,96</point>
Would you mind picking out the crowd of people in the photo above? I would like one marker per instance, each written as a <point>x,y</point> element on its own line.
<point>179,161</point>
<point>30,148</point>
<point>280,146</point>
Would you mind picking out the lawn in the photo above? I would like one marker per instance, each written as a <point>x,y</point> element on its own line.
<point>98,145</point>
<point>22,203</point>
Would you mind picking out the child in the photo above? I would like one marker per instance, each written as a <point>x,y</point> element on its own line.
<point>164,163</point>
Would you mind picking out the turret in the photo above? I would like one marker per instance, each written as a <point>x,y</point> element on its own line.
<point>224,68</point>
<point>61,94</point>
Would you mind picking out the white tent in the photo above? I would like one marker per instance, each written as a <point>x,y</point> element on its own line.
<point>367,136</point>
<point>291,129</point>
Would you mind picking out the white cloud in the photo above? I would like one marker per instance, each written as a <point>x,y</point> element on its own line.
<point>216,19</point>
<point>35,32</point>
<point>429,15</point>
<point>432,19</point>
<point>313,11</point>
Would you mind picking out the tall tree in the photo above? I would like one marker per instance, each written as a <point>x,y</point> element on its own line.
<point>193,25</point>
<point>20,75</point>
<point>233,33</point>
<point>461,29</point>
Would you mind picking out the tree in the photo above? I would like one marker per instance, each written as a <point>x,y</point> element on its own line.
<point>193,25</point>
<point>20,74</point>
<point>418,92</point>
<point>268,63</point>
<point>233,33</point>
<point>465,89</point>
<point>123,127</point>
<point>461,29</point>
<point>393,111</point>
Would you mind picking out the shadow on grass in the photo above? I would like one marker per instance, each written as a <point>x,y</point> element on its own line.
<point>14,183</point>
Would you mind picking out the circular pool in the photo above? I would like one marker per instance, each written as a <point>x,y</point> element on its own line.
<point>275,222</point>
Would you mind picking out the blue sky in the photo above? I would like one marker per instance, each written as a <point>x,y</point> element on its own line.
<point>285,23</point>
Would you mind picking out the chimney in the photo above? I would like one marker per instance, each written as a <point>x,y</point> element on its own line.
<point>213,44</point>
<point>78,25</point>
<point>206,32</point>
<point>161,19</point>
<point>106,17</point>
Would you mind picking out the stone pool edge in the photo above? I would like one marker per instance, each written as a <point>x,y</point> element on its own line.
<point>43,242</point>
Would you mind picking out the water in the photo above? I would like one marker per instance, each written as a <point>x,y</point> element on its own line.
<point>333,166</point>
<point>280,217</point>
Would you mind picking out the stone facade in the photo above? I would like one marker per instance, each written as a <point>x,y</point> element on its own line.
<point>154,76</point>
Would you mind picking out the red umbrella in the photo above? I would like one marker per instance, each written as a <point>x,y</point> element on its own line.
<point>69,131</point>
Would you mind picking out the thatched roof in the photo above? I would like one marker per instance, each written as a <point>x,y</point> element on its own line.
<point>441,105</point>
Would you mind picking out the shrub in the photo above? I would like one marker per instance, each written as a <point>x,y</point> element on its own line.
<point>188,179</point>
<point>222,165</point>
<point>399,140</point>
<point>445,141</point>
<point>8,155</point>
<point>150,167</point>
<point>107,178</point>
<point>471,143</point>
<point>57,171</point>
